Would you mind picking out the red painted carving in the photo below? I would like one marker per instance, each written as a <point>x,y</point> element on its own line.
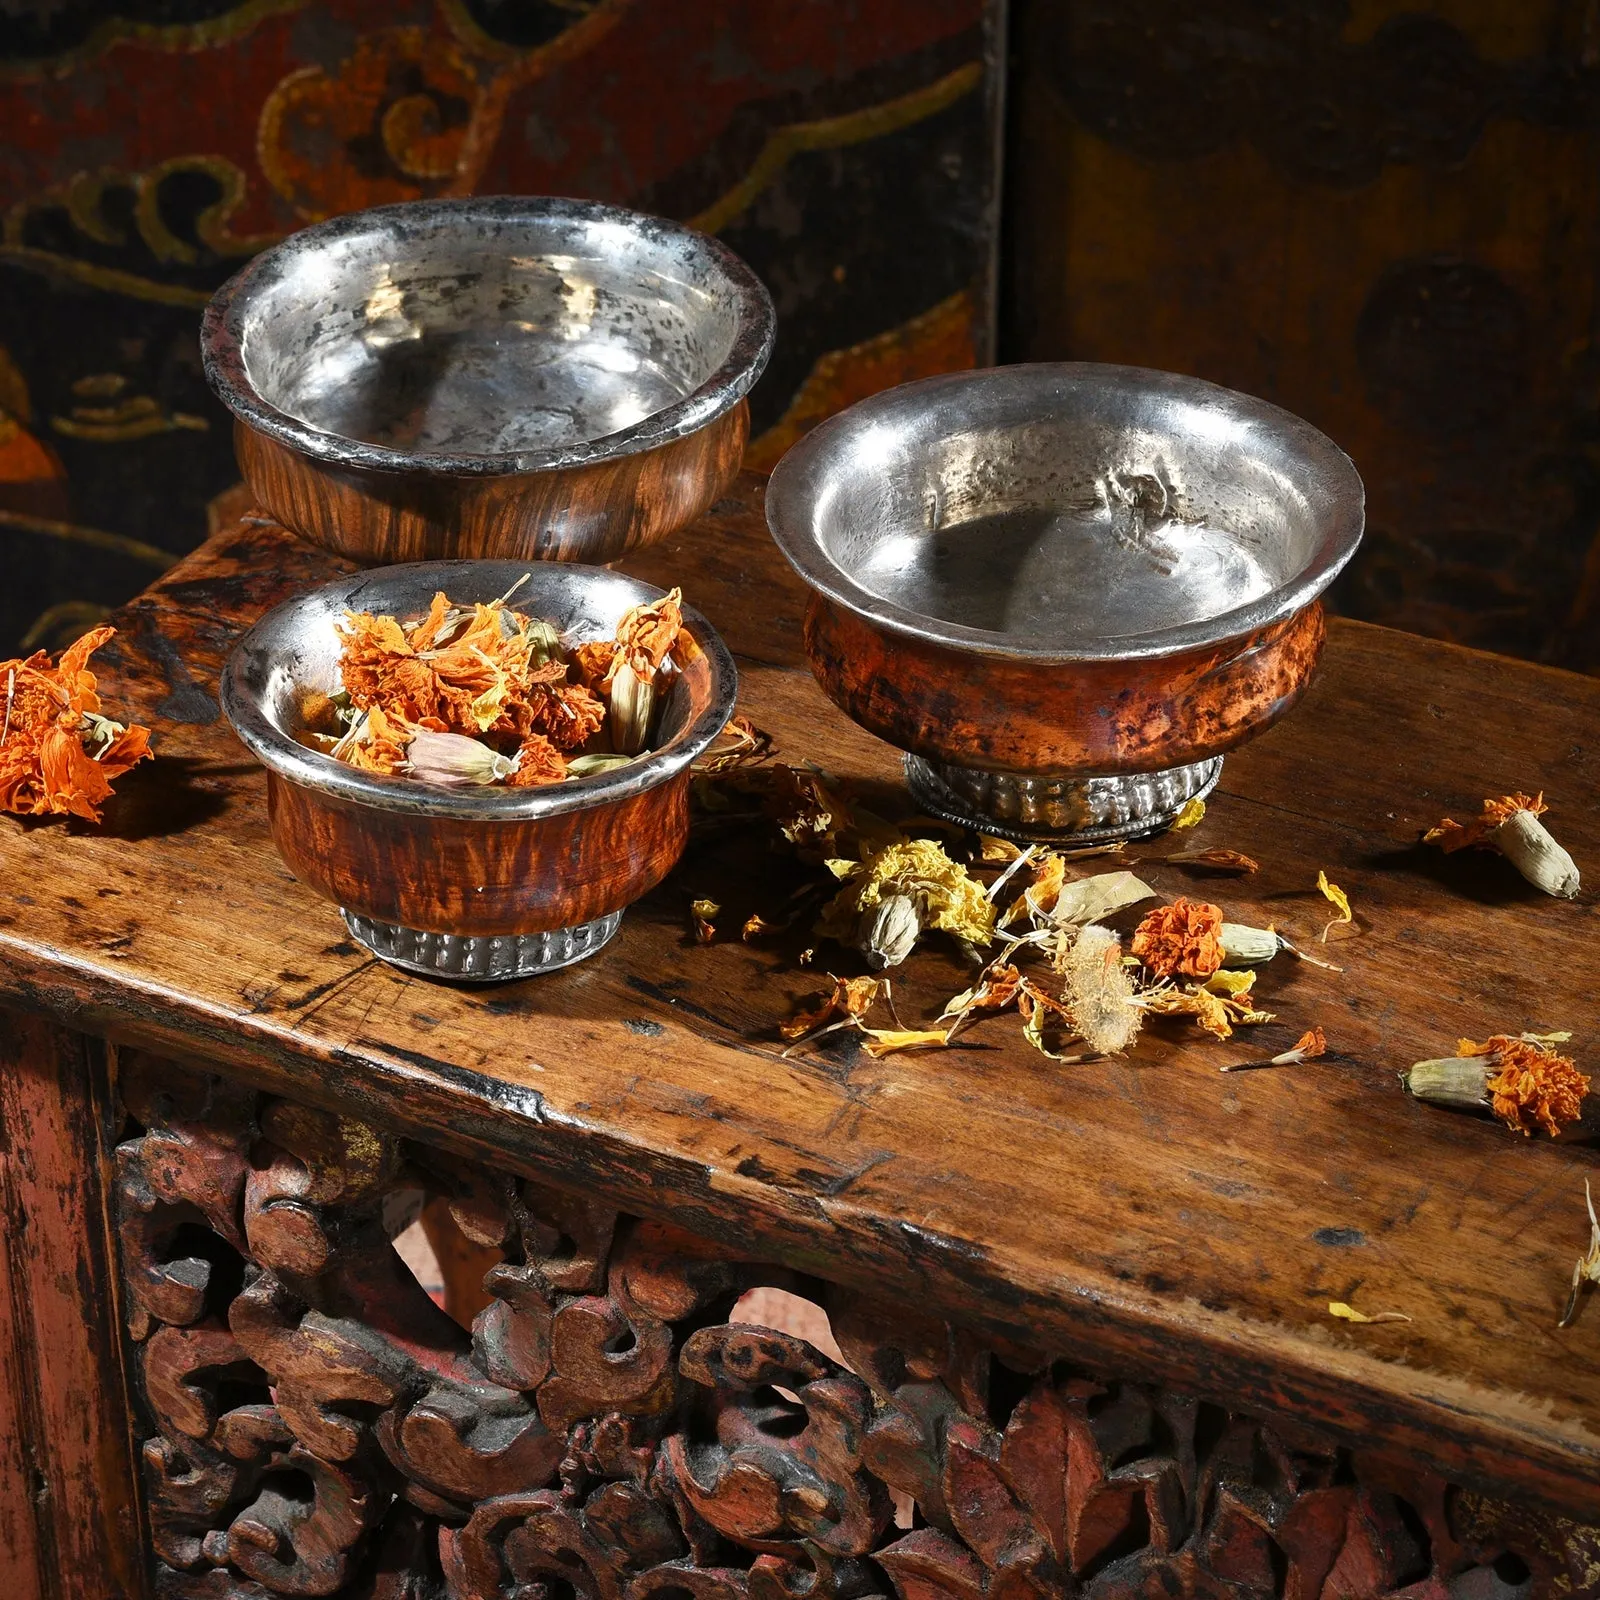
<point>319,1426</point>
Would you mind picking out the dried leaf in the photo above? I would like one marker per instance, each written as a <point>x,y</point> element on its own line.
<point>1337,1308</point>
<point>1192,812</point>
<point>1095,898</point>
<point>1340,901</point>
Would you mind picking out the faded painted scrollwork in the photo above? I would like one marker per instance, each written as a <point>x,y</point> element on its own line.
<point>608,1430</point>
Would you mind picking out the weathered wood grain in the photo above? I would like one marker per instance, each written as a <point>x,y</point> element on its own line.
<point>69,1515</point>
<point>1146,1216</point>
<point>1090,717</point>
<point>594,513</point>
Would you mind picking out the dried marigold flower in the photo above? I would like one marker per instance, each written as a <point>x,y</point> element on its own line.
<point>647,634</point>
<point>941,894</point>
<point>58,754</point>
<point>1511,825</point>
<point>591,662</point>
<point>376,743</point>
<point>538,762</point>
<point>1183,940</point>
<point>1532,1085</point>
<point>568,715</point>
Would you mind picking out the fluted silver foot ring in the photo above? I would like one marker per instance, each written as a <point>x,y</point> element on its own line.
<point>1059,810</point>
<point>481,958</point>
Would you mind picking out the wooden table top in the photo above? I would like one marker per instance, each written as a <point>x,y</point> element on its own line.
<point>1147,1216</point>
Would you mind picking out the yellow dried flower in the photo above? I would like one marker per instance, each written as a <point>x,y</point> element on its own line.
<point>944,896</point>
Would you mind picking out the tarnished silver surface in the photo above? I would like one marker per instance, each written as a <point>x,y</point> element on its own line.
<point>1079,810</point>
<point>295,647</point>
<point>1061,512</point>
<point>484,336</point>
<point>481,958</point>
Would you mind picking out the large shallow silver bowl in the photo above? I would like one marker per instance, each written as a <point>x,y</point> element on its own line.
<point>476,882</point>
<point>454,351</point>
<point>1066,588</point>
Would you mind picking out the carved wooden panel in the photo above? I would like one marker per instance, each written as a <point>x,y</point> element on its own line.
<point>317,1425</point>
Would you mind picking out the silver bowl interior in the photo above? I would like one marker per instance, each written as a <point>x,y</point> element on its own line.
<point>295,649</point>
<point>1067,511</point>
<point>516,333</point>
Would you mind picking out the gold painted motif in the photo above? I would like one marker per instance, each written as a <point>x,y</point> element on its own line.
<point>83,198</point>
<point>832,133</point>
<point>179,38</point>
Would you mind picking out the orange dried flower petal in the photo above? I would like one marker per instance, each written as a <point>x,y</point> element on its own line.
<point>849,999</point>
<point>648,632</point>
<point>1181,940</point>
<point>1452,836</point>
<point>591,663</point>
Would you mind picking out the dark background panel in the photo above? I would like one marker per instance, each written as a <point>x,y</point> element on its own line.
<point>1383,215</point>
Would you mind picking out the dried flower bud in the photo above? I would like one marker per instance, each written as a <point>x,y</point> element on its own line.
<point>453,758</point>
<point>1511,825</point>
<point>633,704</point>
<point>544,638</point>
<point>889,931</point>
<point>1458,1081</point>
<point>1244,946</point>
<point>1099,992</point>
<point>600,761</point>
<point>1529,846</point>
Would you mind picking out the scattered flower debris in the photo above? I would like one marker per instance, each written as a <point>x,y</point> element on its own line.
<point>1216,861</point>
<point>1340,901</point>
<point>58,753</point>
<point>848,1000</point>
<point>1587,1268</point>
<point>740,744</point>
<point>1511,825</point>
<point>1337,1308</point>
<point>1523,1080</point>
<point>1307,1047</point>
<point>1191,814</point>
<point>703,913</point>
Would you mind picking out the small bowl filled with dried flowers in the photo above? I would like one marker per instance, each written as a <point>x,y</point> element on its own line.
<point>480,763</point>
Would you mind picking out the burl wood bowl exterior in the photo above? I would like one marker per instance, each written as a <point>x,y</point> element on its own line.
<point>534,379</point>
<point>1065,590</point>
<point>472,863</point>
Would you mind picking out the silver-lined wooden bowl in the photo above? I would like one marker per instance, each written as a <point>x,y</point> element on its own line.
<point>478,882</point>
<point>1065,589</point>
<point>499,378</point>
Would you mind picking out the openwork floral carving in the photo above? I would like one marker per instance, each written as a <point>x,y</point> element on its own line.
<point>605,1431</point>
